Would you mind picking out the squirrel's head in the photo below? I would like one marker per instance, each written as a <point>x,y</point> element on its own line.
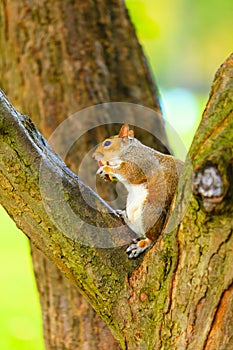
<point>109,151</point>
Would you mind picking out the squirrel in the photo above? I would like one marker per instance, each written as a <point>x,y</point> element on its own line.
<point>151,179</point>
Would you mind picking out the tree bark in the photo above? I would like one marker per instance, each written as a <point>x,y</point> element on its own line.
<point>89,49</point>
<point>69,321</point>
<point>63,58</point>
<point>179,295</point>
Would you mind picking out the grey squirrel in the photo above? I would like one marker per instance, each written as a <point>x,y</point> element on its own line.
<point>150,177</point>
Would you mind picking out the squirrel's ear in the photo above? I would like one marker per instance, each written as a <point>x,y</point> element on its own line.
<point>124,132</point>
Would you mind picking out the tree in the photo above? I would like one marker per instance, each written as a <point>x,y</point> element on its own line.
<point>179,295</point>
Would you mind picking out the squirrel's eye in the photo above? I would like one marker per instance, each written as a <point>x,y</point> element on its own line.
<point>107,143</point>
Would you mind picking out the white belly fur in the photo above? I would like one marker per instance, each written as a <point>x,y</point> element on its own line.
<point>134,207</point>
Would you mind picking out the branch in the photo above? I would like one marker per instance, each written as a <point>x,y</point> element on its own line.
<point>76,244</point>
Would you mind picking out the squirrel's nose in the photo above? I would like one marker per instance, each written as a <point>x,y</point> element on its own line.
<point>97,156</point>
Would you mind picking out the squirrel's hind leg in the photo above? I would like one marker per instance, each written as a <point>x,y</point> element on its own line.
<point>137,247</point>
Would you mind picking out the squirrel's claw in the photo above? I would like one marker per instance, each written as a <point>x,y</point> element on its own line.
<point>137,247</point>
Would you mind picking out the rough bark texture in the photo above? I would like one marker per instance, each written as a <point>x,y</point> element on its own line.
<point>69,321</point>
<point>175,297</point>
<point>88,49</point>
<point>203,274</point>
<point>65,56</point>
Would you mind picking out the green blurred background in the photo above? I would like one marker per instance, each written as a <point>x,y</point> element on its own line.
<point>185,43</point>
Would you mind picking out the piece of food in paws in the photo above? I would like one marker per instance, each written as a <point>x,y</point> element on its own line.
<point>102,163</point>
<point>107,177</point>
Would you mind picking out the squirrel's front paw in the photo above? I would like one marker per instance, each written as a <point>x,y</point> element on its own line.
<point>121,213</point>
<point>137,247</point>
<point>103,172</point>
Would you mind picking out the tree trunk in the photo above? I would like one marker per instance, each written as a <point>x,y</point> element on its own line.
<point>56,59</point>
<point>69,321</point>
<point>179,295</point>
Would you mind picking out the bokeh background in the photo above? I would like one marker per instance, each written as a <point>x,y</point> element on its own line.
<point>185,43</point>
